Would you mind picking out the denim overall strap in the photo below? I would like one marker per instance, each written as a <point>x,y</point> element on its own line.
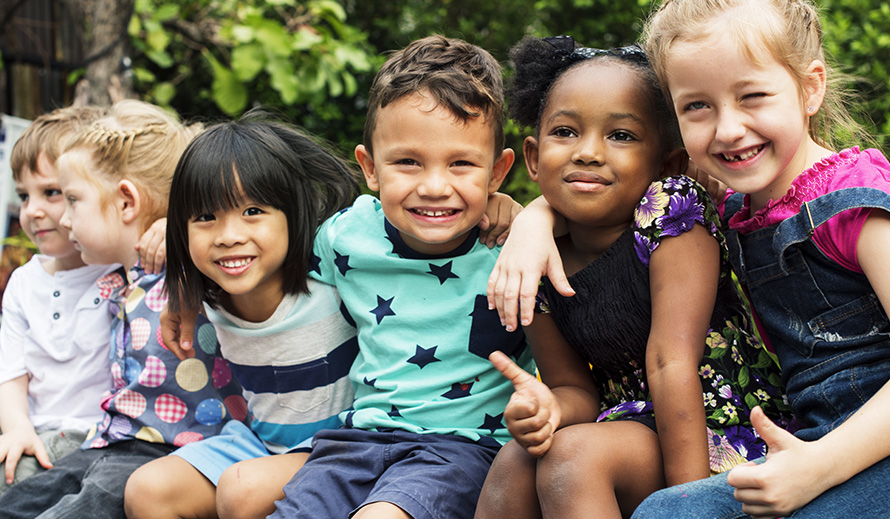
<point>814,213</point>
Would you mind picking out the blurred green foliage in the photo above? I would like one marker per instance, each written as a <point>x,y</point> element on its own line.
<point>313,60</point>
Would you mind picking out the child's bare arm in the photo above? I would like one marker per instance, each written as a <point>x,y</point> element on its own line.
<point>529,253</point>
<point>152,247</point>
<point>19,437</point>
<point>495,223</point>
<point>795,471</point>
<point>683,272</point>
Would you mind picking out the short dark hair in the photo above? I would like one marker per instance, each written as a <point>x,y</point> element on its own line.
<point>265,161</point>
<point>460,76</point>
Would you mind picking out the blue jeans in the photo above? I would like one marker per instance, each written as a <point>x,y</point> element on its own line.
<point>85,483</point>
<point>863,495</point>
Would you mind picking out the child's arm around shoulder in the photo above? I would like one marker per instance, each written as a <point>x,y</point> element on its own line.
<point>795,471</point>
<point>529,253</point>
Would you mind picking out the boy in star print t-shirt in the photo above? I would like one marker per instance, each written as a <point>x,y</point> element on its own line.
<point>428,413</point>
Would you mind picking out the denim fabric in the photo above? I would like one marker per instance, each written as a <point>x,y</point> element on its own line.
<point>86,483</point>
<point>829,330</point>
<point>712,498</point>
<point>57,444</point>
<point>832,337</point>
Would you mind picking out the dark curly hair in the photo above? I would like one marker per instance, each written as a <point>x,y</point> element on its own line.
<point>540,62</point>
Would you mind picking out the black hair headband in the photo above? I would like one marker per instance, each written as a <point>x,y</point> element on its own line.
<point>564,49</point>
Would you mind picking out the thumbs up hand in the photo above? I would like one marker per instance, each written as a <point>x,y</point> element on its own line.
<point>532,414</point>
<point>788,479</point>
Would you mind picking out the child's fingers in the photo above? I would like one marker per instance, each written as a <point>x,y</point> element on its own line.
<point>509,369</point>
<point>12,460</point>
<point>177,331</point>
<point>41,455</point>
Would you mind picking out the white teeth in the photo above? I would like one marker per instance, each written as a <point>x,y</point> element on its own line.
<point>425,212</point>
<point>743,156</point>
<point>231,264</point>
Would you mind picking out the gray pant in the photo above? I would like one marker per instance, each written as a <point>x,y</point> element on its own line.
<point>57,443</point>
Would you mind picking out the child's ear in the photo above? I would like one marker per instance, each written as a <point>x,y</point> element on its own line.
<point>675,164</point>
<point>129,201</point>
<point>366,162</point>
<point>815,82</point>
<point>530,151</point>
<point>501,167</point>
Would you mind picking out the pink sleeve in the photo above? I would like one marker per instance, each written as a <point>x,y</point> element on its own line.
<point>838,236</point>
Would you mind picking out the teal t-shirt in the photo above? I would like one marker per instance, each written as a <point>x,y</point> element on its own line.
<point>424,329</point>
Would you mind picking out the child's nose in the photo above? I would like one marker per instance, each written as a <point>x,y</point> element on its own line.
<point>435,184</point>
<point>588,151</point>
<point>33,210</point>
<point>730,127</point>
<point>231,232</point>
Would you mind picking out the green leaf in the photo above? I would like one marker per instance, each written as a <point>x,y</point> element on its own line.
<point>134,27</point>
<point>274,39</point>
<point>744,377</point>
<point>229,94</point>
<point>305,38</point>
<point>164,93</point>
<point>751,401</point>
<point>161,58</point>
<point>248,61</point>
<point>284,79</point>
<point>167,11</point>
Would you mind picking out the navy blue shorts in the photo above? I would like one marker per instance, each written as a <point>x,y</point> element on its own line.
<point>429,476</point>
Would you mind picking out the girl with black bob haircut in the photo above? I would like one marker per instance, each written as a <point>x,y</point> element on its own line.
<point>262,160</point>
<point>246,200</point>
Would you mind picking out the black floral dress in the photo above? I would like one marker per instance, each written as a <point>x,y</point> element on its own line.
<point>608,322</point>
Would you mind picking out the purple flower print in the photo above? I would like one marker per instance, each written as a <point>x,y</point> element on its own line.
<point>685,211</point>
<point>651,206</point>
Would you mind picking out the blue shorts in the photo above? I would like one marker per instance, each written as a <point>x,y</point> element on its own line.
<point>236,442</point>
<point>429,476</point>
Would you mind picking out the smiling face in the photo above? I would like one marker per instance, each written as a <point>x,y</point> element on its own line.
<point>41,211</point>
<point>744,123</point>
<point>597,148</point>
<point>434,172</point>
<point>242,250</point>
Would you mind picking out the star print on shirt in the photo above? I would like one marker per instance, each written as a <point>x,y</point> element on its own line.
<point>315,264</point>
<point>370,381</point>
<point>423,356</point>
<point>493,423</point>
<point>383,308</point>
<point>458,390</point>
<point>342,262</point>
<point>394,412</point>
<point>442,272</point>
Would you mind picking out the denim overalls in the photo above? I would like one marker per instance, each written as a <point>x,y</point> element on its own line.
<point>832,338</point>
<point>828,328</point>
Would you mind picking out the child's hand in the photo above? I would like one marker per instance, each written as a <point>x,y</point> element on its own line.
<point>495,223</point>
<point>532,415</point>
<point>525,257</point>
<point>152,247</point>
<point>788,479</point>
<point>178,331</point>
<point>18,442</point>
